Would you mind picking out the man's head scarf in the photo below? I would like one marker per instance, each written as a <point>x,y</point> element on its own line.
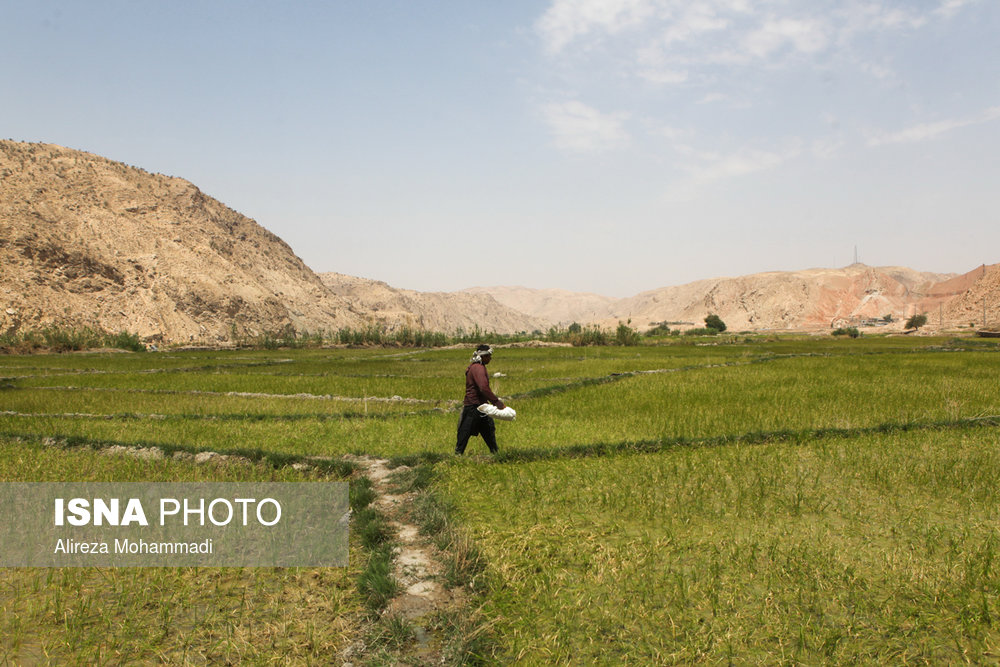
<point>477,356</point>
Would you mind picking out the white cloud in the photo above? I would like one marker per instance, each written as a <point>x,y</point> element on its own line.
<point>880,72</point>
<point>716,167</point>
<point>579,128</point>
<point>663,75</point>
<point>949,8</point>
<point>804,36</point>
<point>673,134</point>
<point>696,20</point>
<point>707,168</point>
<point>656,60</point>
<point>925,131</point>
<point>860,18</point>
<point>825,149</point>
<point>673,41</point>
<point>567,20</point>
<point>711,98</point>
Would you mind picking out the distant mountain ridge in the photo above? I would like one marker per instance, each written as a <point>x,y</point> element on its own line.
<point>87,241</point>
<point>447,312</point>
<point>812,299</point>
<point>551,306</point>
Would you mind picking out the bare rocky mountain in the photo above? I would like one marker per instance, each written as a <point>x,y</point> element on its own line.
<point>813,299</point>
<point>971,297</point>
<point>809,299</point>
<point>552,306</point>
<point>86,241</point>
<point>432,311</point>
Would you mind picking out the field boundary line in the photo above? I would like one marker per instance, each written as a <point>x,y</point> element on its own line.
<point>751,438</point>
<point>616,376</point>
<point>242,394</point>
<point>222,417</point>
<point>147,371</point>
<point>599,449</point>
<point>763,359</point>
<point>338,466</point>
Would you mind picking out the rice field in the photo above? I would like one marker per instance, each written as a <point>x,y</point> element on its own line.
<point>744,500</point>
<point>173,615</point>
<point>868,549</point>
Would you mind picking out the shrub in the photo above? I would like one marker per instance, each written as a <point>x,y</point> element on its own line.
<point>124,340</point>
<point>702,331</point>
<point>55,339</point>
<point>71,340</point>
<point>852,332</point>
<point>626,335</point>
<point>713,321</point>
<point>659,329</point>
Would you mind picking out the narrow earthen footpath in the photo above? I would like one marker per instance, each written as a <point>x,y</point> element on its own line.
<point>417,566</point>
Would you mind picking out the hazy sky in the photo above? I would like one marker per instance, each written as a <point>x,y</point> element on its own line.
<point>609,146</point>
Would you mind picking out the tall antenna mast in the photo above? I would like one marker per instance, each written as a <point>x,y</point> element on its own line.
<point>855,254</point>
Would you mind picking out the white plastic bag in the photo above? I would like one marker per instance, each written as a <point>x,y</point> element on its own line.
<point>507,414</point>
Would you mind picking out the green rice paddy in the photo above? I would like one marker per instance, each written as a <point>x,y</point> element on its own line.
<point>743,500</point>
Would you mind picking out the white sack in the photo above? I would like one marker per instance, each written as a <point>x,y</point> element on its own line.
<point>507,414</point>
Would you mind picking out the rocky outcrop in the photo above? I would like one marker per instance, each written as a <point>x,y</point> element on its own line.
<point>976,299</point>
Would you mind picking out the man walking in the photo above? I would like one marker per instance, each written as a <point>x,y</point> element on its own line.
<point>477,392</point>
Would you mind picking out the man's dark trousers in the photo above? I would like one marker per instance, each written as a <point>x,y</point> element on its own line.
<point>473,422</point>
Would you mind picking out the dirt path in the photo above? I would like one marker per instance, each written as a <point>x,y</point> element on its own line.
<point>417,566</point>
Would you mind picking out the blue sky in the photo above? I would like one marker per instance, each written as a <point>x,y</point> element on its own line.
<point>609,146</point>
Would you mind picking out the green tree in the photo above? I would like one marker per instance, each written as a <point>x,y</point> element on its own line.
<point>916,321</point>
<point>713,321</point>
<point>852,332</point>
<point>658,329</point>
<point>626,335</point>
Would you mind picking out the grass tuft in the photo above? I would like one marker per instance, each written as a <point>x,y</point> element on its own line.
<point>376,583</point>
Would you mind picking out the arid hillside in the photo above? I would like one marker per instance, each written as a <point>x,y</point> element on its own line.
<point>446,312</point>
<point>552,306</point>
<point>973,296</point>
<point>810,299</point>
<point>85,241</point>
<point>813,299</point>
